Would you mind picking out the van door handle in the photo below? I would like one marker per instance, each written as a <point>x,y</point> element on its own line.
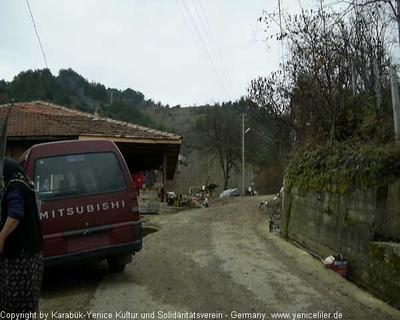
<point>84,232</point>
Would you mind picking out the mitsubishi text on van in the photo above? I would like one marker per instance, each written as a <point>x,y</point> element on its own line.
<point>88,204</point>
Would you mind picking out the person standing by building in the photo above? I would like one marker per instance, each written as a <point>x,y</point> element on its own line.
<point>138,181</point>
<point>21,242</point>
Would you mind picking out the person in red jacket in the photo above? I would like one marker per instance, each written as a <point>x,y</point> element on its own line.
<point>138,181</point>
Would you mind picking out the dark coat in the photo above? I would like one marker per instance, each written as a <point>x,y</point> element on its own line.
<point>27,235</point>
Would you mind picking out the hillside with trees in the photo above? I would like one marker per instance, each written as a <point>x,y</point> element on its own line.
<point>211,133</point>
<point>74,91</point>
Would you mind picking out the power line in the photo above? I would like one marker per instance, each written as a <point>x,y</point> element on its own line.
<point>192,33</point>
<point>37,34</point>
<point>204,46</point>
<point>200,42</point>
<point>212,41</point>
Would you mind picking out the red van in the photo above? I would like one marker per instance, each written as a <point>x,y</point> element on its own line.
<point>88,204</point>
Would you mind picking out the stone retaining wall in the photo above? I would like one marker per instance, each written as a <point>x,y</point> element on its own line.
<point>363,225</point>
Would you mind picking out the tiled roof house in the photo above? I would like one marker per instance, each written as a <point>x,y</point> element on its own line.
<point>144,148</point>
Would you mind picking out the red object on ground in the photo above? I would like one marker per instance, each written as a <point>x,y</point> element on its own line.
<point>340,267</point>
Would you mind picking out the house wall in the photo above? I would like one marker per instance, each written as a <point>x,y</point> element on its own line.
<point>361,225</point>
<point>15,149</point>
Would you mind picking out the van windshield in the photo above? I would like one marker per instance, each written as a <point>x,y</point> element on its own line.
<point>78,175</point>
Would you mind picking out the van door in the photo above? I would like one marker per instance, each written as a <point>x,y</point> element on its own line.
<point>82,191</point>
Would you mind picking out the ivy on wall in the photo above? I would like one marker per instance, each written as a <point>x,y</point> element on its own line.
<point>343,167</point>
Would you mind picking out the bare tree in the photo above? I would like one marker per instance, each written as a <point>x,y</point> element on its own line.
<point>387,8</point>
<point>220,139</point>
<point>273,95</point>
<point>330,60</point>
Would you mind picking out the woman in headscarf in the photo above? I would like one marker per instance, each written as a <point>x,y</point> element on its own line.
<point>21,242</point>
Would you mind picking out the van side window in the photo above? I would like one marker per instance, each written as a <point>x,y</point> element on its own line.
<point>78,175</point>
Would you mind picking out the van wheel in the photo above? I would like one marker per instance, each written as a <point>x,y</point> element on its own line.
<point>115,264</point>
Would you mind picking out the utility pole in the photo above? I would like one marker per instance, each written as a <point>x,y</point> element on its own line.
<point>243,154</point>
<point>243,133</point>
<point>395,102</point>
<point>354,79</point>
<point>378,87</point>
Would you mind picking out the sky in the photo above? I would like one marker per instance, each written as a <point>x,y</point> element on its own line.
<point>187,52</point>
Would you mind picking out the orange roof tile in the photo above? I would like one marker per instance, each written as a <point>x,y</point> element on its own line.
<point>39,119</point>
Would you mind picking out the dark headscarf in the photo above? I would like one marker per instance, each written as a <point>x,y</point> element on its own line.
<point>10,168</point>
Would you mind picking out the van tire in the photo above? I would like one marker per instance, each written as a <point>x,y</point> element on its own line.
<point>115,264</point>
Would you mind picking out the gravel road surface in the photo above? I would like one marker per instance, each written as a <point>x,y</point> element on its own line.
<point>219,262</point>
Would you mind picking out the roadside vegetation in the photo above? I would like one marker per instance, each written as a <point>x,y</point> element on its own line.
<point>331,97</point>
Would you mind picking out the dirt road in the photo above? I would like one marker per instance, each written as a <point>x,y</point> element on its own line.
<point>220,262</point>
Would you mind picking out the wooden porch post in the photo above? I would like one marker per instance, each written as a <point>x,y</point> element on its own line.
<point>164,188</point>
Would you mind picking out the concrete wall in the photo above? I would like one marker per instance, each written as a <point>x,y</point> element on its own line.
<point>393,211</point>
<point>360,225</point>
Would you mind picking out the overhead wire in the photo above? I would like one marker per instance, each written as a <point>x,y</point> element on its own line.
<point>193,35</point>
<point>200,42</point>
<point>205,47</point>
<point>211,39</point>
<point>37,34</point>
